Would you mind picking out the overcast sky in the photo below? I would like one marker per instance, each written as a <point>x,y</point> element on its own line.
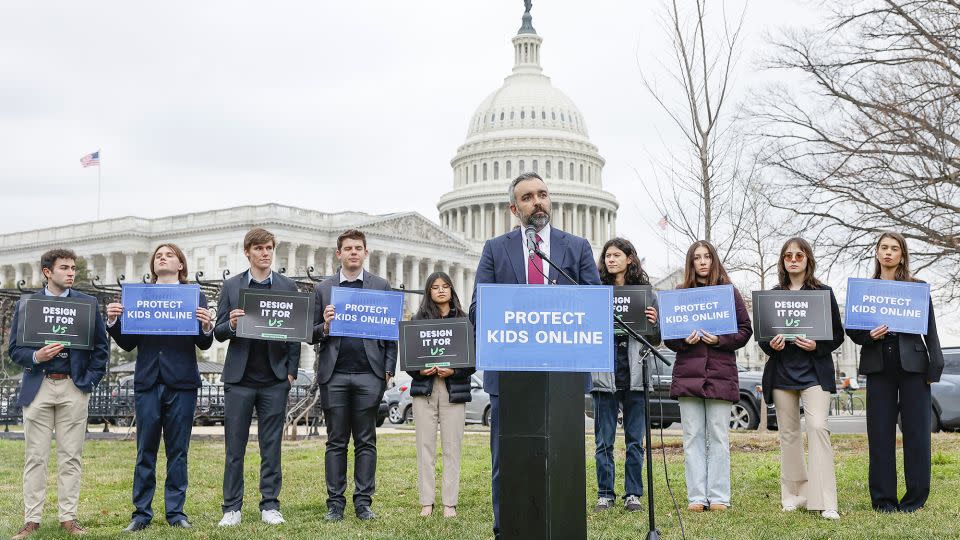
<point>326,105</point>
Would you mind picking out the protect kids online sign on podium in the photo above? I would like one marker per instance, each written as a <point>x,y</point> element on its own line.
<point>543,341</point>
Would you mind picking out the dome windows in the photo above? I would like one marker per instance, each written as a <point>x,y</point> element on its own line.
<point>547,169</point>
<point>543,114</point>
<point>501,116</point>
<point>511,114</point>
<point>536,166</point>
<point>571,172</point>
<point>509,168</point>
<point>496,170</point>
<point>560,169</point>
<point>523,167</point>
<point>553,115</point>
<point>522,114</point>
<point>484,171</point>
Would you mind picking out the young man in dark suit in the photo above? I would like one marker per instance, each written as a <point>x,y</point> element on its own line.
<point>505,259</point>
<point>54,394</point>
<point>352,373</point>
<point>257,374</point>
<point>165,383</point>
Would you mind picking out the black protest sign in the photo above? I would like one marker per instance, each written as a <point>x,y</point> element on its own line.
<point>792,314</point>
<point>276,315</point>
<point>630,302</point>
<point>436,343</point>
<point>53,319</point>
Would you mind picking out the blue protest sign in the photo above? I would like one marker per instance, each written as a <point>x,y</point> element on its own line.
<point>159,309</point>
<point>901,305</point>
<point>544,328</point>
<point>366,313</point>
<point>705,309</point>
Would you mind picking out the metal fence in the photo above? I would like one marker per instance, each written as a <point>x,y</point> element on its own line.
<point>114,405</point>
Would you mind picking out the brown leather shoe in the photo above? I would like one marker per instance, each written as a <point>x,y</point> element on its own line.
<point>695,507</point>
<point>25,531</point>
<point>717,507</point>
<point>72,527</point>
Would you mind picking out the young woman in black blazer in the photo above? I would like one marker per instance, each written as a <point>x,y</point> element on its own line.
<point>803,368</point>
<point>899,369</point>
<point>439,398</point>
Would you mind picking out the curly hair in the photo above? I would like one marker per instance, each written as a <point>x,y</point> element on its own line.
<point>635,274</point>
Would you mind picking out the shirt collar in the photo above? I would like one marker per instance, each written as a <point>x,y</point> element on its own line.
<point>268,281</point>
<point>343,277</point>
<point>64,294</point>
<point>544,234</point>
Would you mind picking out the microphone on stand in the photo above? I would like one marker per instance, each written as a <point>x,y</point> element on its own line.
<point>530,232</point>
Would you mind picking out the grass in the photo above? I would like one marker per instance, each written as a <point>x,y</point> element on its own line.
<point>108,466</point>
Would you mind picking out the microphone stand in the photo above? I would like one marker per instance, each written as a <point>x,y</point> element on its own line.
<point>653,533</point>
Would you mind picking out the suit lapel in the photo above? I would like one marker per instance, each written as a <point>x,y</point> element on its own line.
<point>558,254</point>
<point>514,251</point>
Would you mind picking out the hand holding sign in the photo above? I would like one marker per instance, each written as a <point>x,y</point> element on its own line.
<point>114,310</point>
<point>234,315</point>
<point>879,332</point>
<point>47,352</point>
<point>205,316</point>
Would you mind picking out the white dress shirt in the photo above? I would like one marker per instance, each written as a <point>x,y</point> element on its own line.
<point>544,247</point>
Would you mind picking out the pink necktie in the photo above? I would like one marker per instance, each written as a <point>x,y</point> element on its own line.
<point>535,267</point>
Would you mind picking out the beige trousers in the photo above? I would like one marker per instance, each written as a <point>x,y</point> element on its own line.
<point>60,408</point>
<point>428,412</point>
<point>812,486</point>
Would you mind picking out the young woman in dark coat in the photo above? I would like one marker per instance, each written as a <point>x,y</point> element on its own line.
<point>899,368</point>
<point>803,368</point>
<point>439,398</point>
<point>705,382</point>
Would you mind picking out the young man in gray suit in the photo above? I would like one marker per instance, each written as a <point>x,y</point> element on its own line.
<point>257,374</point>
<point>352,373</point>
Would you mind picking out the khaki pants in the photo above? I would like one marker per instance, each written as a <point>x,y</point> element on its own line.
<point>61,408</point>
<point>428,411</point>
<point>815,486</point>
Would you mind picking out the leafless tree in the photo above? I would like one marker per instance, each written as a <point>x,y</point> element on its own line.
<point>695,187</point>
<point>869,140</point>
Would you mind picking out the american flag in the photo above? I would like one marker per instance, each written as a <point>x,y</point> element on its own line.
<point>91,160</point>
<point>663,223</point>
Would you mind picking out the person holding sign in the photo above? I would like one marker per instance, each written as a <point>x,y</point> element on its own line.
<point>899,368</point>
<point>803,369</point>
<point>353,374</point>
<point>54,393</point>
<point>705,382</point>
<point>439,396</point>
<point>257,375</point>
<point>619,265</point>
<point>165,383</point>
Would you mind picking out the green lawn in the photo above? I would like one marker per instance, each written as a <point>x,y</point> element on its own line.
<point>105,499</point>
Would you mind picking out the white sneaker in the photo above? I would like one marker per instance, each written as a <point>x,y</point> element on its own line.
<point>830,514</point>
<point>230,519</point>
<point>271,517</point>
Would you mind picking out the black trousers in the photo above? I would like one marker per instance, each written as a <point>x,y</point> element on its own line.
<point>271,406</point>
<point>168,413</point>
<point>350,402</point>
<point>889,393</point>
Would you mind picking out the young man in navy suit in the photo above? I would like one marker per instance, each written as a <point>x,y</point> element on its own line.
<point>54,394</point>
<point>505,260</point>
<point>165,383</point>
<point>257,374</point>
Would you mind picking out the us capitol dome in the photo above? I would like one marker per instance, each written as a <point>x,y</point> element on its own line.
<point>528,125</point>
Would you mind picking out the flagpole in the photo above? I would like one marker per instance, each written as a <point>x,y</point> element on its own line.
<point>99,184</point>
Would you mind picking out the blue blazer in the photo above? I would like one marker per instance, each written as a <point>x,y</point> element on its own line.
<point>172,358</point>
<point>502,261</point>
<point>86,367</point>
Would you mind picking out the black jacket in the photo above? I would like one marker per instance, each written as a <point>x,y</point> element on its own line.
<point>821,356</point>
<point>458,384</point>
<point>172,358</point>
<point>918,354</point>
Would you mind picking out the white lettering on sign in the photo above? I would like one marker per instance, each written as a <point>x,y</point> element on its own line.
<point>557,318</point>
<point>361,308</point>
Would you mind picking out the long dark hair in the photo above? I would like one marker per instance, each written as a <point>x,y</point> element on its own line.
<point>903,269</point>
<point>718,275</point>
<point>428,308</point>
<point>635,274</point>
<point>809,279</point>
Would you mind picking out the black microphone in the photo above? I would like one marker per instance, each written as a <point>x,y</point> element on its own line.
<point>530,232</point>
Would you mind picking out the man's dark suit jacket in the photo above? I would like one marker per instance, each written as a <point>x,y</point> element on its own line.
<point>381,354</point>
<point>284,356</point>
<point>86,367</point>
<point>502,261</point>
<point>171,358</point>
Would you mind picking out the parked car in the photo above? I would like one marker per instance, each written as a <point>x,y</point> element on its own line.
<point>478,409</point>
<point>946,393</point>
<point>665,411</point>
<point>401,385</point>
